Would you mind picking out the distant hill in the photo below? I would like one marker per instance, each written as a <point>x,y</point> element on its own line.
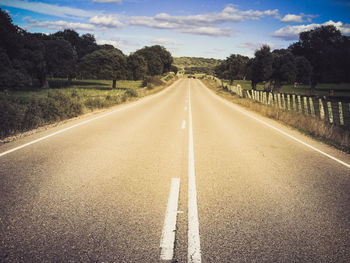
<point>189,62</point>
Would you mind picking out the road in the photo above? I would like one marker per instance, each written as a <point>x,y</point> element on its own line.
<point>239,187</point>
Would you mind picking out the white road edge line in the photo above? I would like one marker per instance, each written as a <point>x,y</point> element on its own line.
<point>279,130</point>
<point>86,121</point>
<point>183,126</point>
<point>167,240</point>
<point>194,248</point>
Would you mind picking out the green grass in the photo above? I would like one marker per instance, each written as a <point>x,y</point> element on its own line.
<point>85,89</point>
<point>25,110</point>
<point>340,90</point>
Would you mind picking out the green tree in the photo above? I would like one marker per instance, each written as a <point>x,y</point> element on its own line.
<point>104,64</point>
<point>284,68</point>
<point>304,70</point>
<point>158,59</point>
<point>261,69</point>
<point>137,67</point>
<point>323,47</point>
<point>174,69</point>
<point>61,58</point>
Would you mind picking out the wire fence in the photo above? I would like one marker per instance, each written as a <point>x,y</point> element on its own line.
<point>335,112</point>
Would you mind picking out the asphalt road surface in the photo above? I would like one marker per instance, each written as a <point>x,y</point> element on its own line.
<point>111,187</point>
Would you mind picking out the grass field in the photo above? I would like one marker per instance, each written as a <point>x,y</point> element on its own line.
<point>26,110</point>
<point>340,90</point>
<point>85,89</point>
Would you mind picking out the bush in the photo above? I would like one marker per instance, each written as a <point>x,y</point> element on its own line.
<point>32,117</point>
<point>59,106</point>
<point>152,80</point>
<point>10,118</point>
<point>131,92</point>
<point>149,86</point>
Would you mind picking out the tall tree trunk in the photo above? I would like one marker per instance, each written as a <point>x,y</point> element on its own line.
<point>69,79</point>
<point>267,86</point>
<point>114,84</point>
<point>253,85</point>
<point>43,81</point>
<point>312,88</point>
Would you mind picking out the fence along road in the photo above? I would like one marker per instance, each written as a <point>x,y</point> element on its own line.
<point>99,191</point>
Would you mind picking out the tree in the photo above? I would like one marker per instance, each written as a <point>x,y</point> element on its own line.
<point>284,68</point>
<point>137,67</point>
<point>61,58</point>
<point>34,58</point>
<point>323,48</point>
<point>234,67</point>
<point>261,68</point>
<point>158,59</point>
<point>174,69</point>
<point>104,64</point>
<point>304,70</point>
<point>10,39</point>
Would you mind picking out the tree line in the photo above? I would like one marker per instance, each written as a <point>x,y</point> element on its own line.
<point>27,59</point>
<point>321,55</point>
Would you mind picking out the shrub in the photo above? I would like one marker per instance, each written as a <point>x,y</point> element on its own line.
<point>152,80</point>
<point>131,92</point>
<point>32,117</point>
<point>10,117</point>
<point>59,106</point>
<point>149,86</point>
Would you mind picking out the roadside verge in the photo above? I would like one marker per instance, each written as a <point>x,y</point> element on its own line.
<point>330,134</point>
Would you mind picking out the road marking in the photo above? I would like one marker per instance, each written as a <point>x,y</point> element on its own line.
<point>183,126</point>
<point>194,248</point>
<point>167,240</point>
<point>87,121</point>
<point>279,130</point>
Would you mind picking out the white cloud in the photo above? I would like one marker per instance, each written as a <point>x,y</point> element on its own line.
<point>118,43</point>
<point>164,41</point>
<point>292,18</point>
<point>108,42</point>
<point>108,1</point>
<point>292,32</point>
<point>48,9</point>
<point>201,24</point>
<point>257,45</point>
<point>228,14</point>
<point>207,31</point>
<point>106,21</point>
<point>58,25</point>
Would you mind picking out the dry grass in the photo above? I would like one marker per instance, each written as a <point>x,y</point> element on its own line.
<point>331,134</point>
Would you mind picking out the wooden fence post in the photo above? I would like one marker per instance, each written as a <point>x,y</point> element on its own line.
<point>283,102</point>
<point>249,94</point>
<point>294,104</point>
<point>321,109</point>
<point>306,110</point>
<point>299,104</point>
<point>330,111</point>
<point>312,109</point>
<point>288,102</point>
<point>341,116</point>
<point>279,100</point>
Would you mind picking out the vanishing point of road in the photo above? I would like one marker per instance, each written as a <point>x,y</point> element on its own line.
<point>179,176</point>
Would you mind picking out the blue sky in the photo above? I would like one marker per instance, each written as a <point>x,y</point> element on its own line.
<point>211,28</point>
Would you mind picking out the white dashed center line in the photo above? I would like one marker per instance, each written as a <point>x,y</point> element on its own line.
<point>194,250</point>
<point>169,229</point>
